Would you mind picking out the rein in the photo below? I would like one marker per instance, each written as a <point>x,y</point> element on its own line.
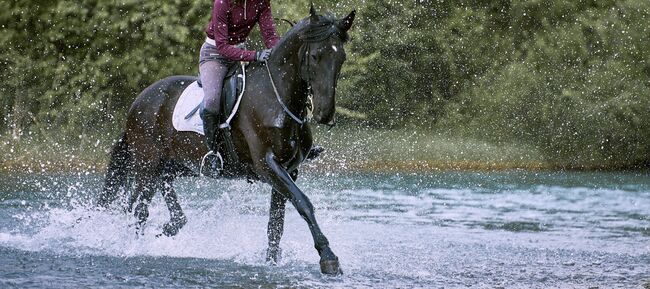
<point>279,98</point>
<point>277,95</point>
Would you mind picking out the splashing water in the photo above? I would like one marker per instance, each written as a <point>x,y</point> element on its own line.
<point>449,229</point>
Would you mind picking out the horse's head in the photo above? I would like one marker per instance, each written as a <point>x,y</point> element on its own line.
<point>322,57</point>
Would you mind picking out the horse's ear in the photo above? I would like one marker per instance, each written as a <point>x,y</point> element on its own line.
<point>312,13</point>
<point>346,22</point>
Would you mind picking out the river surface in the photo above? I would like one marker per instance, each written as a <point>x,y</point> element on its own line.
<point>434,230</point>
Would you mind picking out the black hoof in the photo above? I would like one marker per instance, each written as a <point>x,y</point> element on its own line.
<point>331,267</point>
<point>273,255</point>
<point>315,153</point>
<point>139,230</point>
<point>171,228</point>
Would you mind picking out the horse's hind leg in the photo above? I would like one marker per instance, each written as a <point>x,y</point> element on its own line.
<point>276,226</point>
<point>147,171</point>
<point>177,217</point>
<point>143,194</point>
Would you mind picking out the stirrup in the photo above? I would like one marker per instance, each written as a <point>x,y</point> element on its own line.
<point>206,156</point>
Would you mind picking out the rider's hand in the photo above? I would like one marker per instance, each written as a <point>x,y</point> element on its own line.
<point>262,55</point>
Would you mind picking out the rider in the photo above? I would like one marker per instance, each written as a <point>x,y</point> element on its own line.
<point>231,22</point>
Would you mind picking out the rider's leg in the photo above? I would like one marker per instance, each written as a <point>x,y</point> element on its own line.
<point>212,71</point>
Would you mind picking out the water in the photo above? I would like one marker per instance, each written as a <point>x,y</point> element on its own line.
<point>441,230</point>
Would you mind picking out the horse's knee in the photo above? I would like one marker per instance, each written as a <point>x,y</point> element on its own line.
<point>304,206</point>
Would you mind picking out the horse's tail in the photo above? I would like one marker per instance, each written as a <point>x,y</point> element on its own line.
<point>116,173</point>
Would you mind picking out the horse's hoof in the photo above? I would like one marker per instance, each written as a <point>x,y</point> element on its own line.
<point>172,228</point>
<point>273,255</point>
<point>314,153</point>
<point>139,229</point>
<point>331,267</point>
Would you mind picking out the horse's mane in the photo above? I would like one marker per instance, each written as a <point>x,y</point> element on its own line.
<point>326,26</point>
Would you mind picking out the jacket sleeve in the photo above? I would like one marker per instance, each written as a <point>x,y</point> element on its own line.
<point>267,26</point>
<point>220,28</point>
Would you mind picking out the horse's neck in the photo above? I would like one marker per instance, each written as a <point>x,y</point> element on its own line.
<point>284,65</point>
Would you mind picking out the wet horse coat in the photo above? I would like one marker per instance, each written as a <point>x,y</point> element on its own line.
<point>269,142</point>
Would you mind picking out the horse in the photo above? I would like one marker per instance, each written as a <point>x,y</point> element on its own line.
<point>270,134</point>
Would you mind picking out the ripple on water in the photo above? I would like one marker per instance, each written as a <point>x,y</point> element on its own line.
<point>438,230</point>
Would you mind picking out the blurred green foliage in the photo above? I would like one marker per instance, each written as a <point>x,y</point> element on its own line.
<point>570,78</point>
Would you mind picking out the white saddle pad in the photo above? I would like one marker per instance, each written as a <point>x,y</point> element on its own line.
<point>190,98</point>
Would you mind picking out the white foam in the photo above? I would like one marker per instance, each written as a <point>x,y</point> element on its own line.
<point>231,225</point>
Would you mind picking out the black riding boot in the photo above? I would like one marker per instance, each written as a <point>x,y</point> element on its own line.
<point>211,130</point>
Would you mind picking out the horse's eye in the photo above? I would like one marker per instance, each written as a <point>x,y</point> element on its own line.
<point>314,57</point>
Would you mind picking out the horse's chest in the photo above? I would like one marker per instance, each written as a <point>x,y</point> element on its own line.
<point>287,148</point>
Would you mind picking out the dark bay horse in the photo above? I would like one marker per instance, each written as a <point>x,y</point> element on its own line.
<point>269,133</point>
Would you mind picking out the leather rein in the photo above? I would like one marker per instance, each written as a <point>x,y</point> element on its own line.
<point>310,92</point>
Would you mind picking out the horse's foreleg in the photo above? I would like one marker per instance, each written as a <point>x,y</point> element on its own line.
<point>177,217</point>
<point>283,183</point>
<point>276,226</point>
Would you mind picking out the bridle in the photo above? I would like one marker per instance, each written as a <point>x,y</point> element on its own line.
<point>305,69</point>
<point>321,32</point>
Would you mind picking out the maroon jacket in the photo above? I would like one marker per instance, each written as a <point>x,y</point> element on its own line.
<point>229,26</point>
